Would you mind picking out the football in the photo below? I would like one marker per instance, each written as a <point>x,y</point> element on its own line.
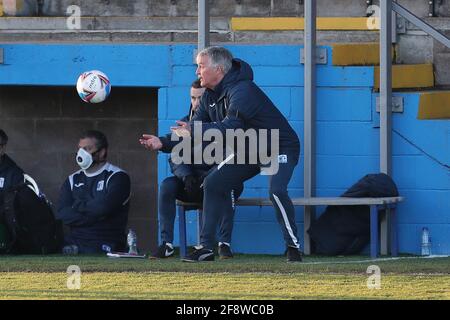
<point>93,86</point>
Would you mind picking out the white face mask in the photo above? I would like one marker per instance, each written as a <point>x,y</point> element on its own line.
<point>84,159</point>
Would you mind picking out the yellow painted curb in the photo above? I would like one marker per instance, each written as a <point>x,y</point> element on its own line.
<point>434,105</point>
<point>295,23</point>
<point>357,54</point>
<point>408,76</point>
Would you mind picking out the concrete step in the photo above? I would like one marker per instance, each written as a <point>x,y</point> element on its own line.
<point>405,76</point>
<point>357,54</point>
<point>109,29</point>
<point>216,36</point>
<point>297,23</point>
<point>110,36</point>
<point>297,36</point>
<point>326,23</point>
<point>110,23</point>
<point>434,105</point>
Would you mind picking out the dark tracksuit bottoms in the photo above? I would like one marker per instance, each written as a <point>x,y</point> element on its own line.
<point>171,189</point>
<point>217,200</point>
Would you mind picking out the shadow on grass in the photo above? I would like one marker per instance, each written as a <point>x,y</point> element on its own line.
<point>239,264</point>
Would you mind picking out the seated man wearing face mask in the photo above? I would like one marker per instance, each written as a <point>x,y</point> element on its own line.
<point>94,201</point>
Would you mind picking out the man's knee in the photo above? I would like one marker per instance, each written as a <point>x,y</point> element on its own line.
<point>212,183</point>
<point>169,186</point>
<point>277,190</point>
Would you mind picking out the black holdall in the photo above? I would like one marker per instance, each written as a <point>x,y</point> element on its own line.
<point>345,230</point>
<point>29,220</point>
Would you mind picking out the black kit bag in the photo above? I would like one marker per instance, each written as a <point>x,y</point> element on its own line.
<point>345,230</point>
<point>29,220</point>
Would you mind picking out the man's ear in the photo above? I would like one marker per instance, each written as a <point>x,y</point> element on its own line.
<point>102,154</point>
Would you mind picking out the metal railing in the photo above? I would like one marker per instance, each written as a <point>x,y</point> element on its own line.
<point>203,24</point>
<point>387,7</point>
<point>309,168</point>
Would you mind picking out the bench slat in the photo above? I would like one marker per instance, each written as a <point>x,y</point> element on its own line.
<point>319,201</point>
<point>315,201</point>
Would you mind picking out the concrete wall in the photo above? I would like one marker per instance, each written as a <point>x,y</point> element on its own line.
<point>347,127</point>
<point>44,124</point>
<point>163,21</point>
<point>225,7</point>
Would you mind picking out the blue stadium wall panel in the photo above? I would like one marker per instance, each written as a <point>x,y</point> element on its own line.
<point>347,127</point>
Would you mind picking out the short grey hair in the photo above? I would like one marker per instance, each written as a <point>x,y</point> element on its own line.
<point>219,56</point>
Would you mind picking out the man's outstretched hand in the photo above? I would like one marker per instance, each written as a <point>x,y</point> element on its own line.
<point>150,142</point>
<point>182,130</point>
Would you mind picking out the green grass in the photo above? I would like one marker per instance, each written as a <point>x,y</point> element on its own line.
<point>239,264</point>
<point>166,285</point>
<point>244,277</point>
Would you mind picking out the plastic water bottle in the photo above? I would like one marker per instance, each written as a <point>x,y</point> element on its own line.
<point>70,250</point>
<point>132,242</point>
<point>426,242</point>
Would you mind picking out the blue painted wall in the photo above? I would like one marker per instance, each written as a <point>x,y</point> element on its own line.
<point>347,127</point>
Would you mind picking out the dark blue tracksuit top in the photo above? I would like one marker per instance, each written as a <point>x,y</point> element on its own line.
<point>95,206</point>
<point>237,102</point>
<point>183,170</point>
<point>11,175</point>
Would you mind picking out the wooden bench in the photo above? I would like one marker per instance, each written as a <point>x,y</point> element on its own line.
<point>388,205</point>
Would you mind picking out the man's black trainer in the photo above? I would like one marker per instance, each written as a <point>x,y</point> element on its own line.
<point>225,251</point>
<point>165,250</point>
<point>293,255</point>
<point>200,254</point>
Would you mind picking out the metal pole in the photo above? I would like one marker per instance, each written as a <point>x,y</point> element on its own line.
<point>309,115</point>
<point>203,42</point>
<point>385,86</point>
<point>203,24</point>
<point>385,102</point>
